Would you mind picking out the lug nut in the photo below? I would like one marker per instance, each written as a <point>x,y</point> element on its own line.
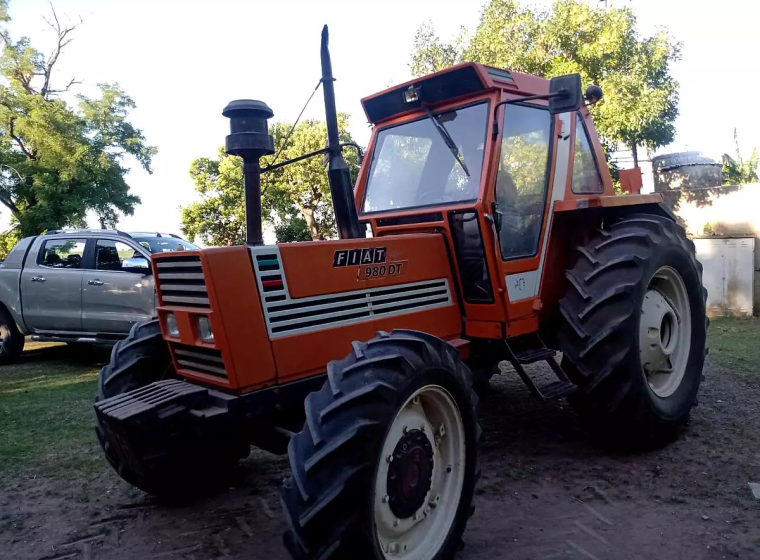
<point>406,429</point>
<point>389,458</point>
<point>395,522</point>
<point>448,469</point>
<point>441,430</point>
<point>385,499</point>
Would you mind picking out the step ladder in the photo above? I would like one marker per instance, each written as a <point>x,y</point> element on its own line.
<point>529,350</point>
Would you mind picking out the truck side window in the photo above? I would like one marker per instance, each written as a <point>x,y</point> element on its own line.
<point>110,254</point>
<point>62,253</point>
<point>585,173</point>
<point>522,178</point>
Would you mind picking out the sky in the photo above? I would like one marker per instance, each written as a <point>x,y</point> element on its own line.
<point>182,61</point>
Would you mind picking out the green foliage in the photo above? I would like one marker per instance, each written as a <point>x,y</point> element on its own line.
<point>58,162</point>
<point>603,45</point>
<point>295,198</point>
<point>737,171</point>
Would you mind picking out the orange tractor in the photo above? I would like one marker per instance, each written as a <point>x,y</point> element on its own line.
<point>483,227</point>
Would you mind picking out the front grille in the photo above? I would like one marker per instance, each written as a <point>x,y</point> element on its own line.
<point>195,359</point>
<point>181,281</point>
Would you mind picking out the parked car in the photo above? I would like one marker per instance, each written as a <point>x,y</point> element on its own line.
<point>84,285</point>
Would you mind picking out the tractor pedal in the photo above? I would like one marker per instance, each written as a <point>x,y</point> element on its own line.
<point>533,355</point>
<point>557,390</point>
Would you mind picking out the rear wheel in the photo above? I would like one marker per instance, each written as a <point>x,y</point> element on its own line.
<point>386,464</point>
<point>11,339</point>
<point>140,359</point>
<point>634,329</point>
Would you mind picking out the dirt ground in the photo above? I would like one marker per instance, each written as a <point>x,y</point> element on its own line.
<point>546,493</point>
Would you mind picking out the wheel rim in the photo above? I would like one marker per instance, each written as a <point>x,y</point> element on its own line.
<point>417,498</point>
<point>665,332</point>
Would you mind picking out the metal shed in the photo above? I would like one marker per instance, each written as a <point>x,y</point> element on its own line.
<point>729,268</point>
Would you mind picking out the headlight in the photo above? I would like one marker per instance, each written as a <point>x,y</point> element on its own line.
<point>171,325</point>
<point>204,329</point>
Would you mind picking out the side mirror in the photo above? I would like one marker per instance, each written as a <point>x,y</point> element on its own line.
<point>565,94</point>
<point>137,264</point>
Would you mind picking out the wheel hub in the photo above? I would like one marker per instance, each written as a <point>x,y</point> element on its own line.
<point>659,332</point>
<point>665,332</point>
<point>410,474</point>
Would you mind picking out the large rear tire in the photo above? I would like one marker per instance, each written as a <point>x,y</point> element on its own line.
<point>633,331</point>
<point>140,359</point>
<point>386,463</point>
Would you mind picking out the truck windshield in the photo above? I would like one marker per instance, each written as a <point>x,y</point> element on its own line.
<point>412,166</point>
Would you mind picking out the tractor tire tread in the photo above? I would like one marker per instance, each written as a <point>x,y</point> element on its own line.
<point>349,413</point>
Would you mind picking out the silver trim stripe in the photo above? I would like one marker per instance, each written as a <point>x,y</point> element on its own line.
<point>286,316</point>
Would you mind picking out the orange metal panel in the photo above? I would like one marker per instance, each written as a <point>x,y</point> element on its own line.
<point>483,329</point>
<point>309,269</point>
<point>522,326</point>
<point>606,201</point>
<point>238,315</point>
<point>304,354</point>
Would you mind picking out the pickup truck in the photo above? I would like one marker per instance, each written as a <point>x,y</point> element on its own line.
<point>78,286</point>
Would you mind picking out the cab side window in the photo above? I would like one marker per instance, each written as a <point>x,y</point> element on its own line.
<point>586,177</point>
<point>110,255</point>
<point>62,253</point>
<point>521,182</point>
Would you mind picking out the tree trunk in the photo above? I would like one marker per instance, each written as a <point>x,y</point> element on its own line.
<point>311,222</point>
<point>635,156</point>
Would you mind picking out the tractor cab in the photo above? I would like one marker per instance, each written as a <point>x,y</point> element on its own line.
<point>482,156</point>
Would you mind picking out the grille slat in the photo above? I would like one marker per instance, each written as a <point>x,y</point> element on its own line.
<point>181,281</point>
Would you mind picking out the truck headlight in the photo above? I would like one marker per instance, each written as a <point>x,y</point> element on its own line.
<point>171,325</point>
<point>204,329</point>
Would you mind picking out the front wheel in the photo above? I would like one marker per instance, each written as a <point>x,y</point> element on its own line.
<point>386,464</point>
<point>633,331</point>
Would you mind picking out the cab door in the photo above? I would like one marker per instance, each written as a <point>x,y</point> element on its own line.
<point>532,174</point>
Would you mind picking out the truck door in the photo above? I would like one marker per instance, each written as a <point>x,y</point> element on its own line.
<point>51,286</point>
<point>531,139</point>
<point>118,290</point>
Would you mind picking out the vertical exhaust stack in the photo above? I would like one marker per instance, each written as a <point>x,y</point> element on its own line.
<point>341,188</point>
<point>249,138</point>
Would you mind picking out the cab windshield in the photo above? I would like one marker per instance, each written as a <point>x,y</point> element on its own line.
<point>412,166</point>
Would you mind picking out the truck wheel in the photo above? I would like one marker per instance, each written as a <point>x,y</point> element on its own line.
<point>633,331</point>
<point>11,339</point>
<point>386,463</point>
<point>140,359</point>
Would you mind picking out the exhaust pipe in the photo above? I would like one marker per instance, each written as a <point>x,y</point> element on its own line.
<point>249,138</point>
<point>338,175</point>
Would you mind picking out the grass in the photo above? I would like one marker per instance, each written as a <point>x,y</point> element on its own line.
<point>735,342</point>
<point>46,414</point>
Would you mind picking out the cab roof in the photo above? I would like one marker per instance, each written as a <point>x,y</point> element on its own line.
<point>460,81</point>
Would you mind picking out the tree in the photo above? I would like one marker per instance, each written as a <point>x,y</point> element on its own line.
<point>737,171</point>
<point>296,199</point>
<point>603,45</point>
<point>58,162</point>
